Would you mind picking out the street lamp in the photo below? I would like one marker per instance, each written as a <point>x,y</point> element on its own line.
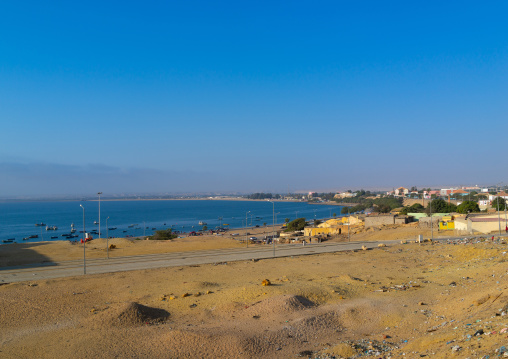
<point>246,237</point>
<point>99,193</point>
<point>273,235</point>
<point>84,240</point>
<point>498,214</point>
<point>348,225</point>
<point>505,223</point>
<point>431,226</point>
<point>107,237</point>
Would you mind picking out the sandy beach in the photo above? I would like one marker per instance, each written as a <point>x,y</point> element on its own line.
<point>418,299</point>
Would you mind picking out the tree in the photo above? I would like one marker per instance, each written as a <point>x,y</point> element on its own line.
<point>205,228</point>
<point>296,225</point>
<point>164,235</point>
<point>439,205</point>
<point>286,220</point>
<point>415,208</point>
<point>467,207</point>
<point>334,214</point>
<point>382,208</point>
<point>317,222</point>
<point>502,203</point>
<point>264,224</point>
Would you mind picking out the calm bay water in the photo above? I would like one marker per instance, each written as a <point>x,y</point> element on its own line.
<point>18,219</point>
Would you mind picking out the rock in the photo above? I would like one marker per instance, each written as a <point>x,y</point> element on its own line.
<point>479,332</point>
<point>266,282</point>
<point>456,348</point>
<point>482,300</point>
<point>421,303</point>
<point>381,245</point>
<point>185,295</point>
<point>197,294</point>
<point>364,248</point>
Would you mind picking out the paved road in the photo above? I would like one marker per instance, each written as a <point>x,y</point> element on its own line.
<point>95,266</point>
<point>127,263</point>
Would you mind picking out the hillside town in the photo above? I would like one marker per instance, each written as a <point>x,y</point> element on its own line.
<point>447,211</point>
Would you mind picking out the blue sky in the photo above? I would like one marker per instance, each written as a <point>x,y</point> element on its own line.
<point>251,96</point>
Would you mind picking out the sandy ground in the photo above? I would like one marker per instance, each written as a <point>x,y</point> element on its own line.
<point>39,252</point>
<point>411,300</point>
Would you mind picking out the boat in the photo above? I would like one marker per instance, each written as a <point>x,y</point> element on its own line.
<point>7,240</point>
<point>40,224</point>
<point>95,222</point>
<point>73,230</point>
<point>112,228</point>
<point>54,237</point>
<point>201,223</point>
<point>34,236</point>
<point>51,228</point>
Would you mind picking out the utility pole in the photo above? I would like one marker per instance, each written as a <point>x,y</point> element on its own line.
<point>348,226</point>
<point>431,226</point>
<point>273,235</point>
<point>107,237</point>
<point>99,193</point>
<point>498,214</point>
<point>84,240</point>
<point>246,236</point>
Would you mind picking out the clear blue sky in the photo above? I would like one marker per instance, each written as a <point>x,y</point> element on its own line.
<point>251,96</point>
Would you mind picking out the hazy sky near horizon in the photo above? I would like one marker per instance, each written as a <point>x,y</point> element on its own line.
<point>163,96</point>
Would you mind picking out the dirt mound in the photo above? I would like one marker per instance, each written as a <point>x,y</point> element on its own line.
<point>137,314</point>
<point>279,305</point>
<point>189,344</point>
<point>327,322</point>
<point>208,284</point>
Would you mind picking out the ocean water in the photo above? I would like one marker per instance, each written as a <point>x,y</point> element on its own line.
<point>139,218</point>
